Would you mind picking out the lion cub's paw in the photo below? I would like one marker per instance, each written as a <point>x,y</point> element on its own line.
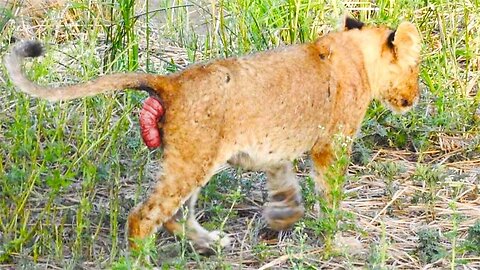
<point>280,216</point>
<point>206,244</point>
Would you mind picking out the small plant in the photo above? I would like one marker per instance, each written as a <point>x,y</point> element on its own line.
<point>309,195</point>
<point>431,177</point>
<point>388,170</point>
<point>361,153</point>
<point>453,234</point>
<point>473,239</point>
<point>335,178</point>
<point>377,258</point>
<point>142,257</point>
<point>429,247</point>
<point>262,251</point>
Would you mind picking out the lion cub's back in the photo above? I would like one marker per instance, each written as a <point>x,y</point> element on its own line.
<point>272,102</point>
<point>275,102</point>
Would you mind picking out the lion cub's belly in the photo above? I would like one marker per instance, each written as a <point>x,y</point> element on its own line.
<point>271,148</point>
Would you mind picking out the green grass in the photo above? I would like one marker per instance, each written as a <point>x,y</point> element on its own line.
<point>70,172</point>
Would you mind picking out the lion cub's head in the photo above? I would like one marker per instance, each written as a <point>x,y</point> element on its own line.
<point>392,61</point>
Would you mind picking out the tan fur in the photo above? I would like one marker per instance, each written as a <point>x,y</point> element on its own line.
<point>260,111</point>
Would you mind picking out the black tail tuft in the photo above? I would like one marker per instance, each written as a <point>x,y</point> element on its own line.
<point>29,49</point>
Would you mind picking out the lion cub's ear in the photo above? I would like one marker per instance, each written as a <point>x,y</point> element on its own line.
<point>405,42</point>
<point>350,23</point>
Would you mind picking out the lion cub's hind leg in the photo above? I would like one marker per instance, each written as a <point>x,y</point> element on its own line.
<point>285,205</point>
<point>182,177</point>
<point>202,240</point>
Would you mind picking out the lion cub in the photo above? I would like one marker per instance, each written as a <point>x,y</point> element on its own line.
<point>259,111</point>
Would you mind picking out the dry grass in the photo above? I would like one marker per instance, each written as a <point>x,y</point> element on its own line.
<point>430,181</point>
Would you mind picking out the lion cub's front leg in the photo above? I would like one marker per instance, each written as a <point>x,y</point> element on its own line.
<point>323,156</point>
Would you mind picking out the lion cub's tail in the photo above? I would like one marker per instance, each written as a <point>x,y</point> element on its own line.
<point>119,81</point>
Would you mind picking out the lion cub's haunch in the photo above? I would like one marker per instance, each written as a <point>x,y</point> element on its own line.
<point>258,111</point>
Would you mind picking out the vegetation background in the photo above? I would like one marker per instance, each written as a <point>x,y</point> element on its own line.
<point>71,171</point>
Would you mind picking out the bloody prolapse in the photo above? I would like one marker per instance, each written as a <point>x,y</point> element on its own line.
<point>150,116</point>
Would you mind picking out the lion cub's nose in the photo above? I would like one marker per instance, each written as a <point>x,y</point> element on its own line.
<point>405,103</point>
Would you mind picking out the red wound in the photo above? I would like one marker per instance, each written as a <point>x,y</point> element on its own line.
<point>150,115</point>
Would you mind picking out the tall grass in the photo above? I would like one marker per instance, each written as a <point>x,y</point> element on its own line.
<point>71,171</point>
